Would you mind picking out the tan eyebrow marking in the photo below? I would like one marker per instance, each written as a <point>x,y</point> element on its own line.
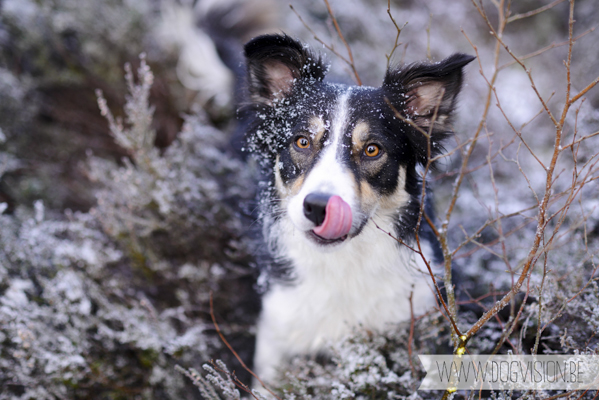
<point>316,129</point>
<point>359,136</point>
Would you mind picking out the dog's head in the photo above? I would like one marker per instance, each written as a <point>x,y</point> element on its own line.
<point>341,155</point>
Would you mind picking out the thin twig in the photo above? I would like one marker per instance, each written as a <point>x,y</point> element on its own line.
<point>534,12</point>
<point>574,143</point>
<point>430,271</point>
<point>428,37</point>
<point>398,29</point>
<point>349,53</point>
<point>318,39</point>
<point>411,337</point>
<point>222,337</point>
<point>546,48</point>
<point>497,34</point>
<point>584,91</point>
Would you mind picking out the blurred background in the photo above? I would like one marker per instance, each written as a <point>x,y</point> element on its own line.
<point>110,248</point>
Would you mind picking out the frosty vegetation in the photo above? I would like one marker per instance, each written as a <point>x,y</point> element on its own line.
<point>117,222</point>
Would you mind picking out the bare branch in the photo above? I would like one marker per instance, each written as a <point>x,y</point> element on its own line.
<point>411,336</point>
<point>222,337</point>
<point>584,91</point>
<point>516,131</point>
<point>534,12</point>
<point>428,37</point>
<point>544,49</point>
<point>578,141</point>
<point>318,39</point>
<point>534,253</point>
<point>398,29</point>
<point>498,37</point>
<point>430,271</point>
<point>349,53</point>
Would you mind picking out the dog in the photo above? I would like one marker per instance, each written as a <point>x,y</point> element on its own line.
<point>340,172</point>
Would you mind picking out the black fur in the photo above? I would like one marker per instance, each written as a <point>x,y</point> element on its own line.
<point>281,50</point>
<point>399,85</point>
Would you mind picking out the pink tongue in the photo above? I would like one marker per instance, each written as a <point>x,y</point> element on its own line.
<point>337,220</point>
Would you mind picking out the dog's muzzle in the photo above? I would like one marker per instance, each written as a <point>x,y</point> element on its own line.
<point>331,215</point>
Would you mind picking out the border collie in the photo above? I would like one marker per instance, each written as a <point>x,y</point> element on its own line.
<point>340,162</point>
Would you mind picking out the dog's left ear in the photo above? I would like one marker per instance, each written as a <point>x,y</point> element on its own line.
<point>426,94</point>
<point>276,64</point>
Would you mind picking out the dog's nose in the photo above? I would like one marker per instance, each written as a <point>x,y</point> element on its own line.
<point>315,205</point>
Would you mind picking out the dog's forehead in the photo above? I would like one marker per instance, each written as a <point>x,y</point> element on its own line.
<point>346,112</point>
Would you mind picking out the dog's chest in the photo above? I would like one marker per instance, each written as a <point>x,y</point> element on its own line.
<point>368,283</point>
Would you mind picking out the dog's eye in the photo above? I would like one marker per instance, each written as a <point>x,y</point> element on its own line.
<point>372,150</point>
<point>302,142</point>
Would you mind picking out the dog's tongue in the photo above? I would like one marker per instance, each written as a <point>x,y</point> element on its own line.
<point>337,220</point>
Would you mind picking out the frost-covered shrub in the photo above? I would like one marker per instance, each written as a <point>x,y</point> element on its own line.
<point>368,364</point>
<point>71,325</point>
<point>51,35</point>
<point>191,193</point>
<point>53,55</point>
<point>106,303</point>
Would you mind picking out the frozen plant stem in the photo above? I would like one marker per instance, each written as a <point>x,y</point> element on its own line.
<point>447,254</point>
<point>350,61</point>
<point>222,337</point>
<point>398,29</point>
<point>138,137</point>
<point>352,65</point>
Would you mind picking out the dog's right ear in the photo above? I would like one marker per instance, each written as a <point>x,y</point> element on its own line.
<point>276,64</point>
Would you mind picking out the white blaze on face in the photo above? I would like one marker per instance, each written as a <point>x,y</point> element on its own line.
<point>329,175</point>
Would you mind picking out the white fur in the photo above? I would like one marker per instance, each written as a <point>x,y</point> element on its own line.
<point>328,175</point>
<point>366,282</point>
